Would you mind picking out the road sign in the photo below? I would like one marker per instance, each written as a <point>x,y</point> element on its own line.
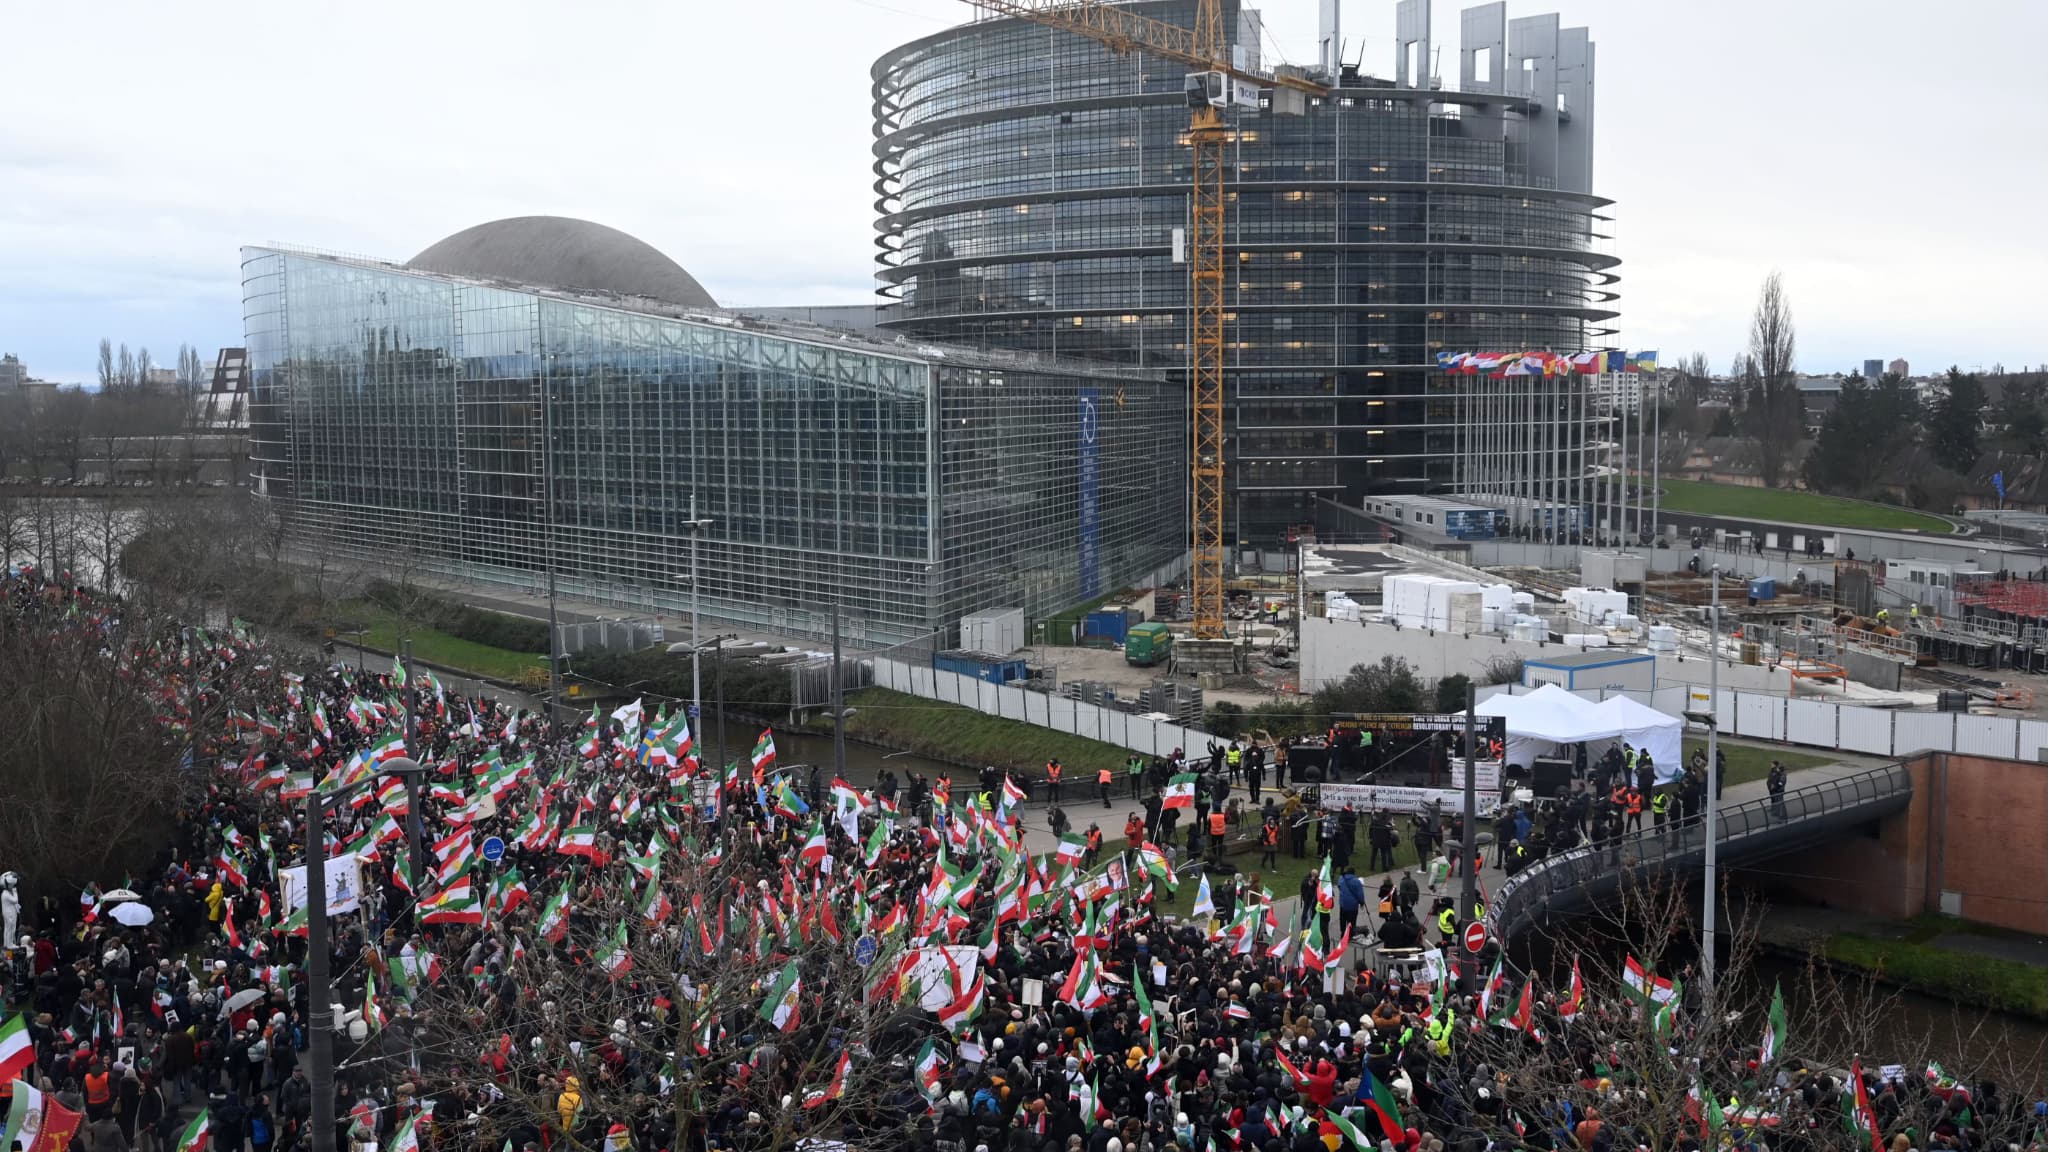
<point>693,711</point>
<point>1475,937</point>
<point>864,950</point>
<point>494,849</point>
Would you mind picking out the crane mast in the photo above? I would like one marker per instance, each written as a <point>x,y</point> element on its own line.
<point>1201,48</point>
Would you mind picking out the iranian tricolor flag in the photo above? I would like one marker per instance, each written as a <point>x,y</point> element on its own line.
<point>1084,988</point>
<point>1645,985</point>
<point>508,891</point>
<point>618,959</point>
<point>930,1067</point>
<point>1523,1018</point>
<point>320,721</point>
<point>297,786</point>
<point>1489,993</point>
<point>274,778</point>
<point>818,1096</point>
<point>1073,846</point>
<point>966,1006</point>
<point>1575,1001</point>
<point>764,751</point>
<point>813,852</point>
<point>780,1008</point>
<point>24,1116</point>
<point>1326,890</point>
<point>1317,958</point>
<point>17,1050</point>
<point>455,903</point>
<point>406,1139</point>
<point>1774,1029</point>
<point>194,1137</point>
<point>593,737</point>
<point>656,908</point>
<point>554,918</point>
<point>1180,792</point>
<point>579,841</point>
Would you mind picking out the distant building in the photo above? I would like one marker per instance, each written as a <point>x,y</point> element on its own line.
<point>1872,369</point>
<point>1617,391</point>
<point>161,379</point>
<point>224,404</point>
<point>13,373</point>
<point>544,398</point>
<point>1818,394</point>
<point>1899,368</point>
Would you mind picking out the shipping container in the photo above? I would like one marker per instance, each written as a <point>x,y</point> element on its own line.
<point>1110,624</point>
<point>981,665</point>
<point>1148,644</point>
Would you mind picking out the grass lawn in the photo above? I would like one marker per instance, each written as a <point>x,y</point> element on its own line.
<point>439,647</point>
<point>1704,498</point>
<point>1283,879</point>
<point>1918,963</point>
<point>914,724</point>
<point>1746,763</point>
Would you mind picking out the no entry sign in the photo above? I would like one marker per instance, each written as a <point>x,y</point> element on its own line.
<point>1475,937</point>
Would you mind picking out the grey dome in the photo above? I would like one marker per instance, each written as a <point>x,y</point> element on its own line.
<point>560,252</point>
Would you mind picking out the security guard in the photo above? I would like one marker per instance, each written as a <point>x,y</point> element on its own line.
<point>1233,761</point>
<point>1447,923</point>
<point>1440,1028</point>
<point>1218,829</point>
<point>1635,809</point>
<point>1053,769</point>
<point>1660,807</point>
<point>1102,778</point>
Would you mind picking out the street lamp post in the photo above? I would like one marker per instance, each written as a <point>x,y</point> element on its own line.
<point>1713,780</point>
<point>319,992</point>
<point>696,528</point>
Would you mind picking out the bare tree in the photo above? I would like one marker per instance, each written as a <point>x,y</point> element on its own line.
<point>124,374</point>
<point>108,381</point>
<point>1777,418</point>
<point>143,367</point>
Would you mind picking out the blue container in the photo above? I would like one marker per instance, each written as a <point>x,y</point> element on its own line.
<point>1110,624</point>
<point>1764,588</point>
<point>994,670</point>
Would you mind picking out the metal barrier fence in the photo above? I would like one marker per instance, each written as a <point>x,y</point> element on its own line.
<point>1529,894</point>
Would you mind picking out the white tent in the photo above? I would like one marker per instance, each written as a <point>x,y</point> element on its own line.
<point>1547,721</point>
<point>1638,724</point>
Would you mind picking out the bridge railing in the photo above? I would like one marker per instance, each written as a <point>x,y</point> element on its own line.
<point>1524,897</point>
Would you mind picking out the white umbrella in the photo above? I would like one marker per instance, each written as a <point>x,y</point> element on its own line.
<point>133,915</point>
<point>119,895</point>
<point>244,998</point>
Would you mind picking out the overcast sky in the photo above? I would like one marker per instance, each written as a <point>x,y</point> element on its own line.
<point>1886,155</point>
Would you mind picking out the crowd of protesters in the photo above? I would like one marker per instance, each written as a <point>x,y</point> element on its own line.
<point>496,1007</point>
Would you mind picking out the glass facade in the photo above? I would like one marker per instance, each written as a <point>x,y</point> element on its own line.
<point>481,428</point>
<point>1032,182</point>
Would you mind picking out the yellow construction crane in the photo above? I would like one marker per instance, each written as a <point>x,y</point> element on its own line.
<point>1211,88</point>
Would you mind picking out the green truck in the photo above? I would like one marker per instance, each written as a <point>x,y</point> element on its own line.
<point>1147,644</point>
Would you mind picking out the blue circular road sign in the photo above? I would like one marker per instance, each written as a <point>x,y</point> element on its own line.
<point>494,849</point>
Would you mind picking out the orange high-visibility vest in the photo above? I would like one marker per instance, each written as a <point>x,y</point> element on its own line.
<point>1216,825</point>
<point>1102,777</point>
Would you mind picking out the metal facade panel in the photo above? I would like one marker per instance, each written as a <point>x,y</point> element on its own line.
<point>1920,731</point>
<point>1810,722</point>
<point>1988,735</point>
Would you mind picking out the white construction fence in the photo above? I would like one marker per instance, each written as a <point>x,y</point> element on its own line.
<point>1837,727</point>
<point>1752,715</point>
<point>1108,725</point>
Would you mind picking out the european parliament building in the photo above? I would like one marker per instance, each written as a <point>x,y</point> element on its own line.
<point>1032,183</point>
<point>544,393</point>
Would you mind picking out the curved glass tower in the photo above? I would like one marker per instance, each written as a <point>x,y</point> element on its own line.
<point>1032,191</point>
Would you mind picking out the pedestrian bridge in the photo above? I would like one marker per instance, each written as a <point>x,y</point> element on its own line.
<point>1746,831</point>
